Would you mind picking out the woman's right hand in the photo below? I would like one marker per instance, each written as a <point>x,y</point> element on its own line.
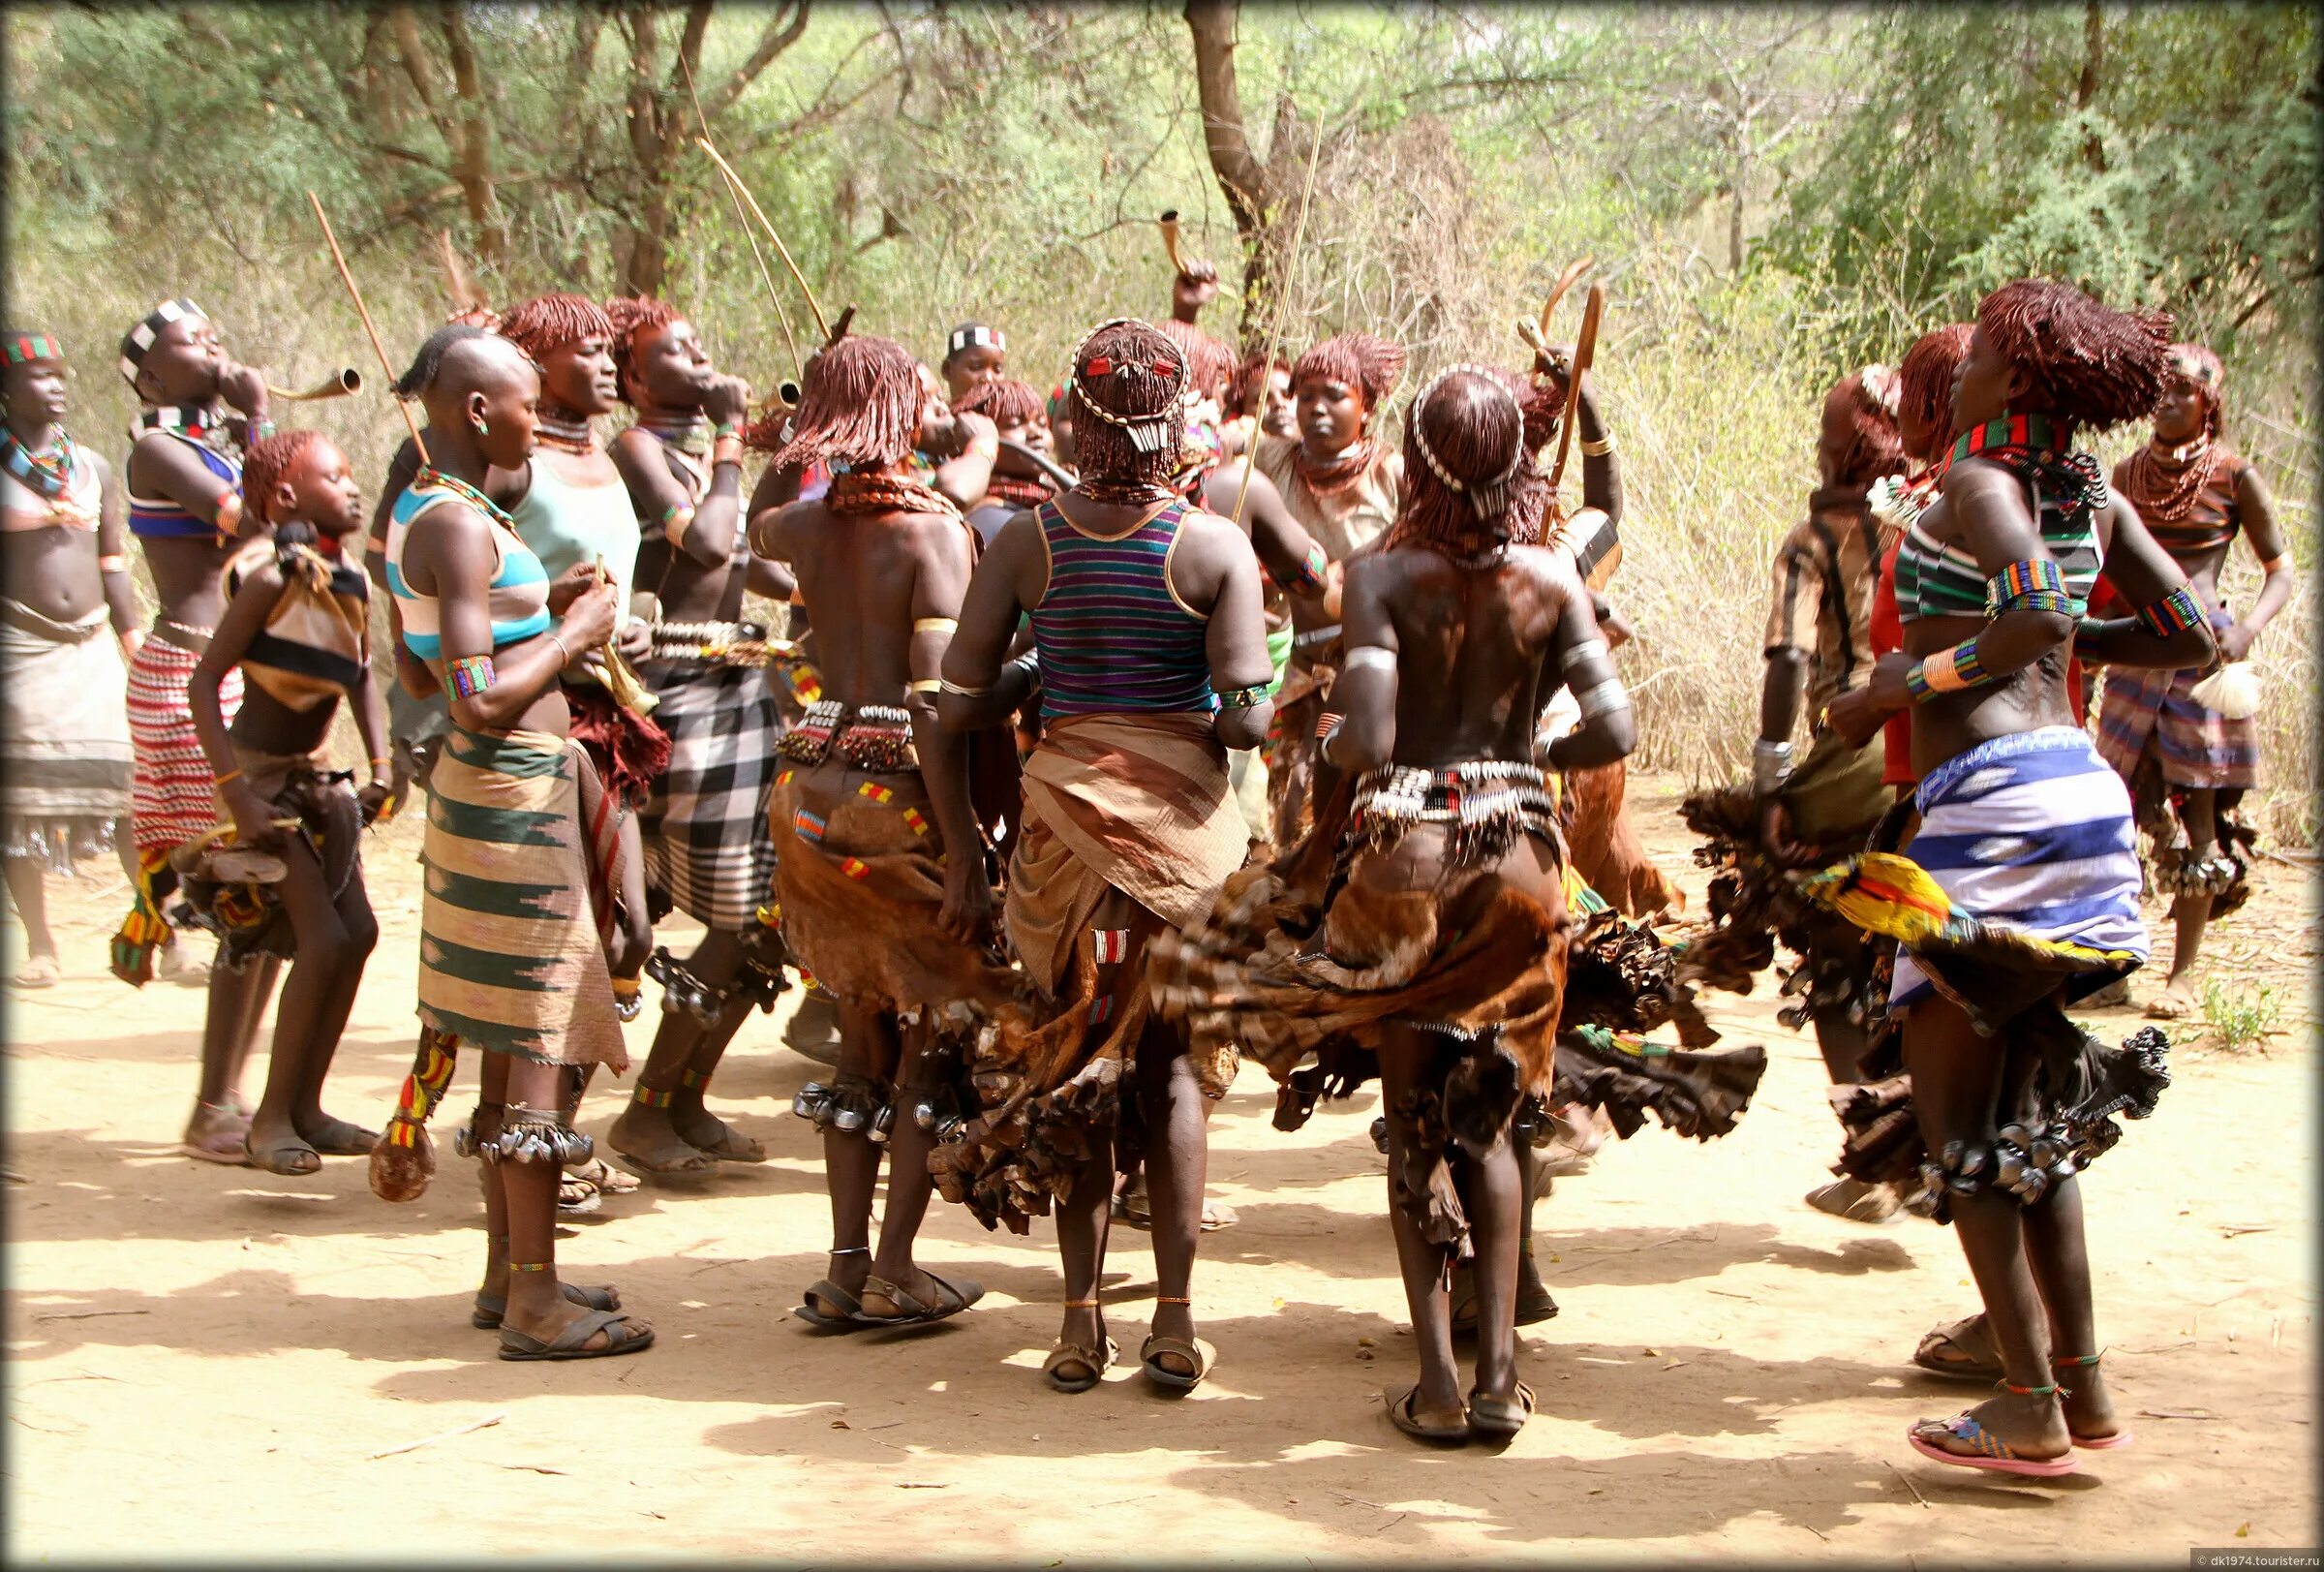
<point>726,401</point>
<point>1856,717</point>
<point>588,623</point>
<point>252,813</point>
<point>568,587</point>
<point>244,387</point>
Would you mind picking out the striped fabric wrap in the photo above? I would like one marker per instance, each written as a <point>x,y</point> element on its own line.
<point>2065,492</point>
<point>2143,713</point>
<point>172,795</point>
<point>2023,879</point>
<point>510,958</point>
<point>1112,634</point>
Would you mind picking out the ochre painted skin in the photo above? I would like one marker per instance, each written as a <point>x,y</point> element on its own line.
<point>1330,416</point>
<point>978,362</point>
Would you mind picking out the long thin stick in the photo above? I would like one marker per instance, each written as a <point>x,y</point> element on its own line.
<point>780,250</point>
<point>364,312</point>
<point>486,1423</point>
<point>758,256</point>
<point>1585,345</point>
<point>1291,258</point>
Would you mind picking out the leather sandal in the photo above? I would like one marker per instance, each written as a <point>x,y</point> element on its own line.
<point>490,1309</point>
<point>1095,1360</point>
<point>1969,1337</point>
<point>620,1339</point>
<point>1498,1419</point>
<point>1400,1414</point>
<point>1196,1352</point>
<point>952,1299</point>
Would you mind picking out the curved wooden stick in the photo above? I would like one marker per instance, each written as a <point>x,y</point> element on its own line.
<point>1584,347</point>
<point>780,250</point>
<point>1291,257</point>
<point>781,316</point>
<point>364,312</point>
<point>1537,334</point>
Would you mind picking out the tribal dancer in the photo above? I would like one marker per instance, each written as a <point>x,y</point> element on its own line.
<point>185,507</point>
<point>2198,749</point>
<point>1343,486</point>
<point>1152,661</point>
<point>2021,895</point>
<point>512,955</point>
<point>973,354</point>
<point>882,879</point>
<point>1019,415</point>
<point>1818,634</point>
<point>571,508</point>
<point>418,713</point>
<point>64,733</point>
<point>290,882</point>
<point>1280,415</point>
<point>708,849</point>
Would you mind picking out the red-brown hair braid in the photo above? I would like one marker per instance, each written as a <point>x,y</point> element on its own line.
<point>1925,383</point>
<point>1212,361</point>
<point>629,315</point>
<point>1119,370</point>
<point>1468,426</point>
<point>1004,401</point>
<point>548,322</point>
<point>1371,365</point>
<point>2096,368</point>
<point>860,404</point>
<point>266,462</point>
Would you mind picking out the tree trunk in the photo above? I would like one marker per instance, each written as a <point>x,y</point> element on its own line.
<point>2086,90</point>
<point>1241,178</point>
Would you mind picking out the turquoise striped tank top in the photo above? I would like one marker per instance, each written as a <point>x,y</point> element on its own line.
<point>1934,579</point>
<point>1113,636</point>
<point>519,597</point>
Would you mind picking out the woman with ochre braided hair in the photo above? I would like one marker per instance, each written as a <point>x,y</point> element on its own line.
<point>1151,657</point>
<point>1020,415</point>
<point>513,957</point>
<point>2020,895</point>
<point>704,828</point>
<point>2183,753</point>
<point>64,733</point>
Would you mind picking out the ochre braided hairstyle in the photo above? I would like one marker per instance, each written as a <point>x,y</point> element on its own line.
<point>630,316</point>
<point>1212,361</point>
<point>1876,447</point>
<point>1237,403</point>
<point>1005,402</point>
<point>860,405</point>
<point>1371,365</point>
<point>2092,366</point>
<point>1925,383</point>
<point>265,465</point>
<point>548,322</point>
<point>2195,363</point>
<point>1470,419</point>
<point>1131,388</point>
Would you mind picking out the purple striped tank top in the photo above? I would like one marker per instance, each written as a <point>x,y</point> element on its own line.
<point>1112,634</point>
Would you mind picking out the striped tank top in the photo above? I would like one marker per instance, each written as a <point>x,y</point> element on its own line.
<point>165,516</point>
<point>1114,636</point>
<point>519,592</point>
<point>1936,579</point>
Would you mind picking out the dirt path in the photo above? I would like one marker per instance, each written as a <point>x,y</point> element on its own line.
<point>203,1358</point>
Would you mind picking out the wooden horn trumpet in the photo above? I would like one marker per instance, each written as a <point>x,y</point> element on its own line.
<point>338,385</point>
<point>1170,241</point>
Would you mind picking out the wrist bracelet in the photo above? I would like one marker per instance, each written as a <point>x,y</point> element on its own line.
<point>2173,613</point>
<point>726,449</point>
<point>229,774</point>
<point>1947,671</point>
<point>113,564</point>
<point>565,656</point>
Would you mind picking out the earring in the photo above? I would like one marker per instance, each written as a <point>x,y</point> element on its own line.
<point>482,430</point>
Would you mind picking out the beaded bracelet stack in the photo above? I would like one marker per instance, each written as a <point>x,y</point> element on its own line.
<point>2032,585</point>
<point>2173,613</point>
<point>1947,671</point>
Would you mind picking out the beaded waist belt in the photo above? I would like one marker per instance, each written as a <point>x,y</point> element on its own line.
<point>718,644</point>
<point>1487,804</point>
<point>877,737</point>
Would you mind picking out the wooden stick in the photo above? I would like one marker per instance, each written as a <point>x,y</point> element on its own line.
<point>364,312</point>
<point>759,257</point>
<point>1250,457</point>
<point>486,1423</point>
<point>780,250</point>
<point>1585,345</point>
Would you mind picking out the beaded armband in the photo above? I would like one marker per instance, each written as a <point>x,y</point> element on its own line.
<point>1310,577</point>
<point>2035,584</point>
<point>468,675</point>
<point>2173,613</point>
<point>675,522</point>
<point>1244,698</point>
<point>1947,671</point>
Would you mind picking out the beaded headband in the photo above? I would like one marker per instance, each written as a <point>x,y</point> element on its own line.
<point>1148,433</point>
<point>974,336</point>
<point>139,339</point>
<point>25,348</point>
<point>1488,499</point>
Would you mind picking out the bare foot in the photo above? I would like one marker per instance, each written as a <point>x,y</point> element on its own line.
<point>2176,1003</point>
<point>2088,1409</point>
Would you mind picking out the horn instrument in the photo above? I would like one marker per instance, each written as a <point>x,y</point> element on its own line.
<point>338,385</point>
<point>1063,477</point>
<point>1169,240</point>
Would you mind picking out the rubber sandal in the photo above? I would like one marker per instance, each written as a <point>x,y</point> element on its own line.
<point>1217,1215</point>
<point>1498,1419</point>
<point>695,1164</point>
<point>491,1308</point>
<point>566,1345</point>
<point>1994,1455</point>
<point>1968,1335</point>
<point>1400,1415</point>
<point>1198,1353</point>
<point>285,1160</point>
<point>1096,1361</point>
<point>609,1180</point>
<point>342,1139</point>
<point>956,1298</point>
<point>38,972</point>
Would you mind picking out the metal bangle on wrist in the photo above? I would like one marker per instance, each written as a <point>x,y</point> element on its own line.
<point>1770,766</point>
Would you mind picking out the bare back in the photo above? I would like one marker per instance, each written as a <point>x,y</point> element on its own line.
<point>865,580</point>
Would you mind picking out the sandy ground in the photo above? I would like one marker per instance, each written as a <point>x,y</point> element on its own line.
<point>205,1360</point>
